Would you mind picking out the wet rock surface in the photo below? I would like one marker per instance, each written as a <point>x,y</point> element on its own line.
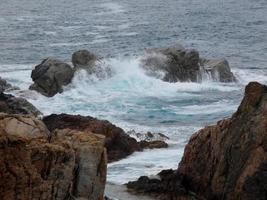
<point>118,143</point>
<point>175,63</point>
<point>50,76</point>
<point>16,105</point>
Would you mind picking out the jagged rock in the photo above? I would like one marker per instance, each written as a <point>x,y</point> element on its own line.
<point>66,165</point>
<point>33,169</point>
<point>228,160</point>
<point>118,143</point>
<point>15,105</point>
<point>91,162</point>
<point>50,76</point>
<point>157,144</point>
<point>148,136</point>
<point>175,63</point>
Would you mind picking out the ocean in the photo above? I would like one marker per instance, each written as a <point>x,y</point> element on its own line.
<point>119,31</point>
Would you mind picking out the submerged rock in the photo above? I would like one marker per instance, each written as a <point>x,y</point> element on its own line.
<point>83,59</point>
<point>175,63</point>
<point>66,165</point>
<point>15,105</point>
<point>4,85</point>
<point>50,76</point>
<point>118,143</point>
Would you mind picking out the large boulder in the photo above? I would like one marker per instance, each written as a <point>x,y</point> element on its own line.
<point>36,164</point>
<point>50,76</point>
<point>118,143</point>
<point>175,63</point>
<point>229,160</point>
<point>16,105</point>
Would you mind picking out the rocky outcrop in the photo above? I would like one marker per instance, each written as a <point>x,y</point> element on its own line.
<point>37,164</point>
<point>228,160</point>
<point>50,76</point>
<point>15,105</point>
<point>175,63</point>
<point>118,143</point>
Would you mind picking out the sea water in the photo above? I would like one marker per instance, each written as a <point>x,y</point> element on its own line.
<point>120,30</point>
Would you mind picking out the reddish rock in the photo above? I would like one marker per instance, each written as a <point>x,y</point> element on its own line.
<point>67,165</point>
<point>225,161</point>
<point>118,143</point>
<point>229,160</point>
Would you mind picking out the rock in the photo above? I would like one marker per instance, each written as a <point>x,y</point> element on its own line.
<point>34,169</point>
<point>23,125</point>
<point>83,59</point>
<point>91,162</point>
<point>66,165</point>
<point>4,85</point>
<point>219,70</point>
<point>157,144</point>
<point>228,160</point>
<point>118,143</point>
<point>175,63</point>
<point>148,136</point>
<point>168,184</point>
<point>223,161</point>
<point>15,105</point>
<point>50,76</point>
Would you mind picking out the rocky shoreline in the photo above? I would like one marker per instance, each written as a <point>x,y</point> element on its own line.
<point>64,156</point>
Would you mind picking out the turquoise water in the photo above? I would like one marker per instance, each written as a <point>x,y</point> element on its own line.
<point>120,31</point>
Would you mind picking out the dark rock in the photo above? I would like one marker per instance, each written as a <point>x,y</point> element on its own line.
<point>175,63</point>
<point>219,70</point>
<point>83,59</point>
<point>168,184</point>
<point>118,143</point>
<point>15,105</point>
<point>4,85</point>
<point>50,76</point>
<point>157,144</point>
